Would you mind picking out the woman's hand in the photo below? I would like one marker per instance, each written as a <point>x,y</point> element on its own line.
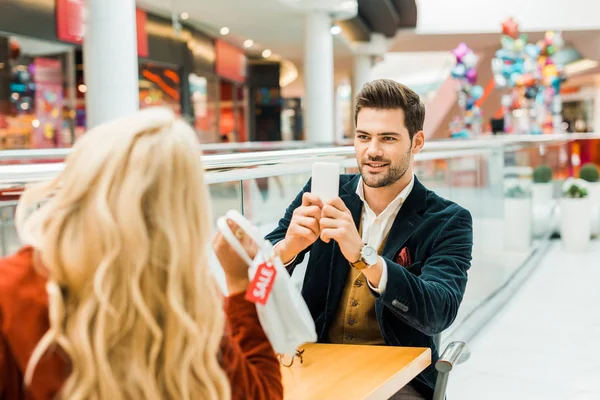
<point>235,268</point>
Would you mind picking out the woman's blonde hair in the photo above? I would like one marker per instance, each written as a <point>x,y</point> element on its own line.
<point>123,231</point>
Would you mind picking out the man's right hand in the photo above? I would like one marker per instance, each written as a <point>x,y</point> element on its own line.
<point>304,228</point>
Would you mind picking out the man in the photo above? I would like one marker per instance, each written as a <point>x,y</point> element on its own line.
<point>388,258</point>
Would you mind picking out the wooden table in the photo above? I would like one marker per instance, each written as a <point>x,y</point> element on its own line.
<point>352,372</point>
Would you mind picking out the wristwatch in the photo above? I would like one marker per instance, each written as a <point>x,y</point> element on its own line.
<point>368,258</point>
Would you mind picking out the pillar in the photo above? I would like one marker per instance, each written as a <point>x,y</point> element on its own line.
<point>361,71</point>
<point>318,78</point>
<point>110,60</point>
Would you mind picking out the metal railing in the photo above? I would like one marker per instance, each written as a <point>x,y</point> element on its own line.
<point>15,174</point>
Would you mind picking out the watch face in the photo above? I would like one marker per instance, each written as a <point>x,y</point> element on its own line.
<point>369,255</point>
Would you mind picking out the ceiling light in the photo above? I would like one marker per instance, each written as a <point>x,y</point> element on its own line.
<point>267,53</point>
<point>224,30</point>
<point>248,43</point>
<point>335,30</point>
<point>185,15</point>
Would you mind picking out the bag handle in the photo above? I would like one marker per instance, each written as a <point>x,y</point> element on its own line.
<point>246,226</point>
<point>248,229</point>
<point>233,241</point>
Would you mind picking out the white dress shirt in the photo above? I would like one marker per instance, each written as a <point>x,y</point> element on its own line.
<point>375,228</point>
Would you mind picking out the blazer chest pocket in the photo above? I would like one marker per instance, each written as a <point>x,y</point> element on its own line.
<point>415,268</point>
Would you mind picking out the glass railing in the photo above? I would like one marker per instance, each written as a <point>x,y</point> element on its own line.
<point>473,173</point>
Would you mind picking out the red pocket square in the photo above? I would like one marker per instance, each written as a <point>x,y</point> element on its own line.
<point>403,258</point>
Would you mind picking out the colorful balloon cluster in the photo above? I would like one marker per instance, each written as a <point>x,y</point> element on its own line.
<point>531,73</point>
<point>465,73</point>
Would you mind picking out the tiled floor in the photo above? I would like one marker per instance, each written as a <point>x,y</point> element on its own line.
<point>545,344</point>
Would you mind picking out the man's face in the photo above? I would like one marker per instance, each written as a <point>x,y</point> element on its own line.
<point>383,146</point>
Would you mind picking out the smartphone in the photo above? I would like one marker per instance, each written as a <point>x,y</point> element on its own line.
<point>325,180</point>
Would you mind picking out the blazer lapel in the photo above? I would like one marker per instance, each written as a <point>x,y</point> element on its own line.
<point>339,268</point>
<point>407,221</point>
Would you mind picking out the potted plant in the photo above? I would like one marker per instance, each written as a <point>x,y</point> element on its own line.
<point>589,173</point>
<point>542,198</point>
<point>575,211</point>
<point>517,217</point>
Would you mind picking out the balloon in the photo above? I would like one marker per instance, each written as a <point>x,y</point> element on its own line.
<point>529,66</point>
<point>459,71</point>
<point>462,99</point>
<point>519,67</point>
<point>508,69</point>
<point>476,92</point>
<point>506,55</point>
<point>549,95</point>
<point>470,60</point>
<point>557,104</point>
<point>471,75</point>
<point>550,50</point>
<point>470,103</point>
<point>461,51</point>
<point>508,43</point>
<point>549,38</point>
<point>539,98</point>
<point>519,44</point>
<point>497,65</point>
<point>514,78</point>
<point>510,28</point>
<point>528,80</point>
<point>530,93</point>
<point>550,71</point>
<point>558,40</point>
<point>500,80</point>
<point>506,101</point>
<point>532,50</point>
<point>556,81</point>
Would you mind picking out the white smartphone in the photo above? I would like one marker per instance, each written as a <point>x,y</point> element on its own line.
<point>325,180</point>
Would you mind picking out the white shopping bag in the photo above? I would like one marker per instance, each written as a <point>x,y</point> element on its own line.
<point>284,317</point>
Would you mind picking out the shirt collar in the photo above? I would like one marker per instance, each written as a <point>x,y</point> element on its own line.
<point>396,202</point>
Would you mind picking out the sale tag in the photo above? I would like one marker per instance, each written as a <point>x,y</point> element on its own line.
<point>262,284</point>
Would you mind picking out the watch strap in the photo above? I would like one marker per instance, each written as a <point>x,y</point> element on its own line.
<point>360,264</point>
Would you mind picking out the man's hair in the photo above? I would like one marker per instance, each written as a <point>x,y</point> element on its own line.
<point>386,94</point>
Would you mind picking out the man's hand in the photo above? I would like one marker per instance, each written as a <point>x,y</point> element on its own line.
<point>304,228</point>
<point>337,224</point>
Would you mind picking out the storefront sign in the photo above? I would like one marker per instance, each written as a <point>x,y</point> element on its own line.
<point>231,62</point>
<point>141,19</point>
<point>70,20</point>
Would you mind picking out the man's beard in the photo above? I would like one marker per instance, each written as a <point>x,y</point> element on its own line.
<point>395,171</point>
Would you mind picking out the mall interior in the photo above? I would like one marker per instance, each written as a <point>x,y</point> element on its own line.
<point>511,90</point>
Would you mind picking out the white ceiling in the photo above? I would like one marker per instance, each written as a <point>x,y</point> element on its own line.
<point>414,58</point>
<point>269,23</point>
<point>272,24</point>
<point>414,68</point>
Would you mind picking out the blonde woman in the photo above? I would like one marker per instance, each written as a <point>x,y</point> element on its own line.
<point>113,298</point>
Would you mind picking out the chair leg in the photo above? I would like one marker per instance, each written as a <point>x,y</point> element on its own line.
<point>440,386</point>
